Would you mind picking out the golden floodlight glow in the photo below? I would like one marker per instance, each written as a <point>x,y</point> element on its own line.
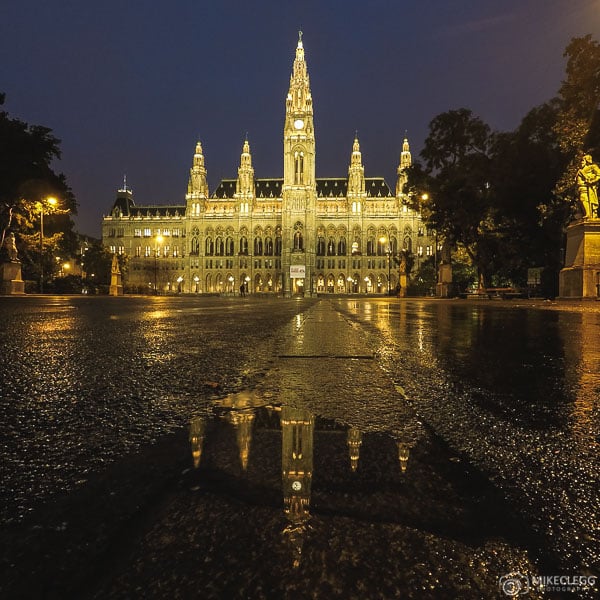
<point>159,239</point>
<point>52,201</point>
<point>425,197</point>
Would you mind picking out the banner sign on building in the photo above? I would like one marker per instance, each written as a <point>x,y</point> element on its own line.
<point>297,271</point>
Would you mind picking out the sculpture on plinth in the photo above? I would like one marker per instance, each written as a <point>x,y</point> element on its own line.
<point>10,247</point>
<point>11,281</point>
<point>116,284</point>
<point>588,177</point>
<point>580,277</point>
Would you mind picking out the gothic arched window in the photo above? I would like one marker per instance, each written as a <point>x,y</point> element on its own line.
<point>298,168</point>
<point>321,246</point>
<point>268,246</point>
<point>331,247</point>
<point>371,246</point>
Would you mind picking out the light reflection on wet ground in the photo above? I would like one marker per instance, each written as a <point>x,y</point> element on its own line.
<point>513,391</point>
<point>518,390</point>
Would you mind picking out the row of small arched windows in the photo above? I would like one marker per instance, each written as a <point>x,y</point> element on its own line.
<point>269,247</point>
<point>226,247</point>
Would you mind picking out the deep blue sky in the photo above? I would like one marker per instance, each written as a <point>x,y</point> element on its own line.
<point>130,85</point>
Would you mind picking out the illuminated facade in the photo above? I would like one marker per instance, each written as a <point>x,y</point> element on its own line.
<point>296,235</point>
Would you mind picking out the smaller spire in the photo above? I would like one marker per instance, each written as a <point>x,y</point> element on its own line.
<point>125,182</point>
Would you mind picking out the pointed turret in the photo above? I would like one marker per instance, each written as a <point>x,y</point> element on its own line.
<point>197,183</point>
<point>245,181</point>
<point>197,192</point>
<point>405,162</point>
<point>356,172</point>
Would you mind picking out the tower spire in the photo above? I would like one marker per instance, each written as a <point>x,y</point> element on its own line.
<point>405,162</point>
<point>198,185</point>
<point>245,182</point>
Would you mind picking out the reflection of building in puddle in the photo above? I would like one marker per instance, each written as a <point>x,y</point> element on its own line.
<point>197,439</point>
<point>403,453</point>
<point>241,415</point>
<point>297,426</point>
<point>354,442</point>
<point>242,421</point>
<point>297,439</point>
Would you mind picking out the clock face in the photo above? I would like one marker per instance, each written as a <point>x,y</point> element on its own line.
<point>298,123</point>
<point>296,486</point>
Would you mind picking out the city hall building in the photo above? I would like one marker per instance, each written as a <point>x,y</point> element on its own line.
<point>295,235</point>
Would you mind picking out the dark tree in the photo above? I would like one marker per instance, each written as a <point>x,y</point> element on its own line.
<point>578,123</point>
<point>526,166</point>
<point>453,188</point>
<point>26,180</point>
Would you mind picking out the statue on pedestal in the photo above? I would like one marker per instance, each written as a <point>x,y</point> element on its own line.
<point>588,177</point>
<point>116,283</point>
<point>10,247</point>
<point>11,281</point>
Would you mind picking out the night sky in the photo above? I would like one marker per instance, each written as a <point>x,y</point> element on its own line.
<point>129,86</point>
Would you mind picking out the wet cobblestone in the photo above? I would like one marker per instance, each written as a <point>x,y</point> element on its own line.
<point>503,432</point>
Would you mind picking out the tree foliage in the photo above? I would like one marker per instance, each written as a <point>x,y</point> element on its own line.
<point>500,197</point>
<point>578,122</point>
<point>452,189</point>
<point>26,180</point>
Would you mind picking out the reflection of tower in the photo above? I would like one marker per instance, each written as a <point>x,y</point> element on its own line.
<point>297,461</point>
<point>296,464</point>
<point>197,439</point>
<point>242,421</point>
<point>403,453</point>
<point>354,442</point>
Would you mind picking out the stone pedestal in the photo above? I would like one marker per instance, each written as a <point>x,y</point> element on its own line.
<point>116,280</point>
<point>116,287</point>
<point>403,285</point>
<point>580,277</point>
<point>10,278</point>
<point>443,287</point>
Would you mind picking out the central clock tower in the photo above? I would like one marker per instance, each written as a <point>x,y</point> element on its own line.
<point>299,194</point>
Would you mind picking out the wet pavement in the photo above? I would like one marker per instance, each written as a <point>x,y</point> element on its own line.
<point>269,448</point>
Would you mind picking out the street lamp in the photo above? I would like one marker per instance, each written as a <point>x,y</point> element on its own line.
<point>159,240</point>
<point>52,202</point>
